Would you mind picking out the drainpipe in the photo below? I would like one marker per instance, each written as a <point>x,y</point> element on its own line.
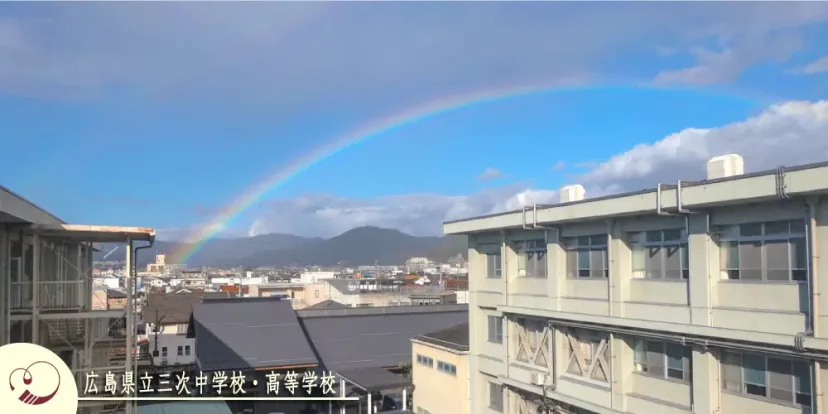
<point>134,281</point>
<point>813,286</point>
<point>610,258</point>
<point>504,274</point>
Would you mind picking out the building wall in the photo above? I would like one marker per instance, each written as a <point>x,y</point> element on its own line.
<point>172,336</point>
<point>436,391</point>
<point>705,304</point>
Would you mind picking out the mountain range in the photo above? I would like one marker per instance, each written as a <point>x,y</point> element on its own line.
<point>359,246</point>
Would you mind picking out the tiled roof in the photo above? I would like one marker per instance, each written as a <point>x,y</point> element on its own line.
<point>175,307</point>
<point>378,340</point>
<point>327,304</point>
<point>249,333</point>
<point>455,337</point>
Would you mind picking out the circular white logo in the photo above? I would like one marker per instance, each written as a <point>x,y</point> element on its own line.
<point>38,381</point>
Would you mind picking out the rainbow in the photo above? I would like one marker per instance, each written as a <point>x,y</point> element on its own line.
<point>280,176</point>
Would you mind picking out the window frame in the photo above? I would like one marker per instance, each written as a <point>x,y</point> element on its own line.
<point>643,367</point>
<point>496,397</point>
<point>731,237</point>
<point>641,242</point>
<point>742,388</point>
<point>497,321</point>
<point>425,361</point>
<point>494,265</point>
<point>586,244</point>
<point>531,253</point>
<point>447,368</point>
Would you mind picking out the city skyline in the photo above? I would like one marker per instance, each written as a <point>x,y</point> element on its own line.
<point>200,121</point>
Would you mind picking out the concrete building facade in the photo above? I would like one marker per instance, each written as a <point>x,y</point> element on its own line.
<point>691,298</point>
<point>440,371</point>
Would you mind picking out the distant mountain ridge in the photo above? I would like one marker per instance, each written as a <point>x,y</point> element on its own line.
<point>359,246</point>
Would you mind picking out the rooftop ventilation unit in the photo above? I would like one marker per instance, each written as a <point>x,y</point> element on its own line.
<point>574,192</point>
<point>725,166</point>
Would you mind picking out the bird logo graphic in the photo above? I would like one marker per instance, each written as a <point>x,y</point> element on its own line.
<point>26,376</point>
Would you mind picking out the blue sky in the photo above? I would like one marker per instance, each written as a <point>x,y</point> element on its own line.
<point>161,114</point>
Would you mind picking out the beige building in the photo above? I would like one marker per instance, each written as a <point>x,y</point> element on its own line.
<point>688,298</point>
<point>440,369</point>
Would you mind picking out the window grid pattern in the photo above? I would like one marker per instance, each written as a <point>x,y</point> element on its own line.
<point>663,360</point>
<point>425,361</point>
<point>773,251</point>
<point>532,254</point>
<point>586,257</point>
<point>660,254</point>
<point>495,329</point>
<point>775,379</point>
<point>447,368</point>
<point>494,265</point>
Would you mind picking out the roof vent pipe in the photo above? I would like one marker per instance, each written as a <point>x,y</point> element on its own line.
<point>574,192</point>
<point>725,166</point>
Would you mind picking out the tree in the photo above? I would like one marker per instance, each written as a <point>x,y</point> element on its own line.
<point>406,369</point>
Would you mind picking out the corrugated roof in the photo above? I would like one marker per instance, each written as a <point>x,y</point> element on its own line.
<point>245,333</point>
<point>380,340</point>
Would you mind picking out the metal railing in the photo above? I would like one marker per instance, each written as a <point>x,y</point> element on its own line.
<point>52,295</point>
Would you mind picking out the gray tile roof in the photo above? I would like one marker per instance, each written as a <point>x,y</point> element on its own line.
<point>327,304</point>
<point>245,333</point>
<point>374,379</point>
<point>175,307</point>
<point>373,340</point>
<point>455,337</point>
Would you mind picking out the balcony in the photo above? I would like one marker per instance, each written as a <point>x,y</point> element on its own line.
<point>52,295</point>
<point>74,331</point>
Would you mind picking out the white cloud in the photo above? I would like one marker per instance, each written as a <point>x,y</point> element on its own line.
<point>818,66</point>
<point>418,214</point>
<point>558,166</point>
<point>291,57</point>
<point>489,174</point>
<point>790,133</point>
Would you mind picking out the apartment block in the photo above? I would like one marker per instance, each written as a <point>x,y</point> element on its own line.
<point>688,298</point>
<point>46,293</point>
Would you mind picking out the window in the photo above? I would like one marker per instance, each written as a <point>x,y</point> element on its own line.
<point>493,265</point>
<point>586,256</point>
<point>316,293</point>
<point>495,329</point>
<point>776,379</point>
<point>661,254</point>
<point>164,351</point>
<point>496,397</point>
<point>447,368</point>
<point>425,361</point>
<point>180,350</point>
<point>187,350</point>
<point>662,360</point>
<point>774,251</point>
<point>532,258</point>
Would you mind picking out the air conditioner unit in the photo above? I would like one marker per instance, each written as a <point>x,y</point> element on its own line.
<point>538,379</point>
